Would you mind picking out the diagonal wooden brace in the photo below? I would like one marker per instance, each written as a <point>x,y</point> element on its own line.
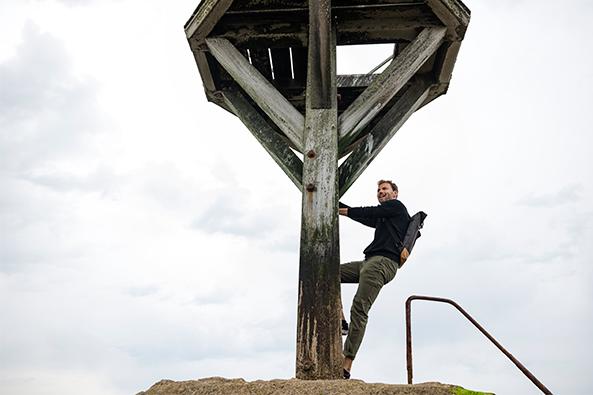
<point>387,85</point>
<point>380,135</point>
<point>267,97</point>
<point>275,145</point>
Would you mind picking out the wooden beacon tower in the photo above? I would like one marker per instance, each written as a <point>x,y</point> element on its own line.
<point>272,63</point>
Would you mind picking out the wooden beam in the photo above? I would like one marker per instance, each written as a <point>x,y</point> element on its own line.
<point>205,18</point>
<point>383,131</point>
<point>204,69</point>
<point>385,23</point>
<point>454,14</point>
<point>272,102</point>
<point>319,344</point>
<point>397,74</point>
<point>355,80</point>
<point>265,134</point>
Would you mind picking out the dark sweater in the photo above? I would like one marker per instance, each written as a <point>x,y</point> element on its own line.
<point>390,213</point>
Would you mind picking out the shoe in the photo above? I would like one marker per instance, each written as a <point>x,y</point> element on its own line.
<point>346,374</point>
<point>344,328</point>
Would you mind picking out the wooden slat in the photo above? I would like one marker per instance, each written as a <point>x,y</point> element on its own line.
<point>281,63</point>
<point>260,59</point>
<point>397,74</point>
<point>383,131</point>
<point>266,135</point>
<point>276,106</point>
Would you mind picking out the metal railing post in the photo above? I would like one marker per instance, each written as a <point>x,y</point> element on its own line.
<point>476,324</point>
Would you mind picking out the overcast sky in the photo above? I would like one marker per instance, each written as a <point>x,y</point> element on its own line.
<point>144,233</point>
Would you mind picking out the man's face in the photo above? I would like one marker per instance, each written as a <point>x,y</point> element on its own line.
<point>385,192</point>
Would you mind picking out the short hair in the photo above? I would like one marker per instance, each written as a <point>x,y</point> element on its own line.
<point>393,186</point>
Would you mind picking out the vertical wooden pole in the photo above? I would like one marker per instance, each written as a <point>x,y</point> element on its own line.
<point>319,343</point>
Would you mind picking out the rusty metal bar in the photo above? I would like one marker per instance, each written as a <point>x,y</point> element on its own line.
<point>476,324</point>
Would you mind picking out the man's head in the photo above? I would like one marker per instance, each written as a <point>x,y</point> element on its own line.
<point>386,190</point>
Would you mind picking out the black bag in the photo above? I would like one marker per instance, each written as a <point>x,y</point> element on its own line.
<point>412,233</point>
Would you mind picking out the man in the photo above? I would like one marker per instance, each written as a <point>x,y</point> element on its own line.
<point>390,220</point>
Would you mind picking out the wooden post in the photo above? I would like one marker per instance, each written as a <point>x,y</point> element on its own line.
<point>319,344</point>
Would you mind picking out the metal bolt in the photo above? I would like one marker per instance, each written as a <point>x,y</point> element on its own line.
<point>311,154</point>
<point>311,188</point>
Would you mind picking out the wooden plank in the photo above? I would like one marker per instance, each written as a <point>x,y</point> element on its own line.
<point>276,106</point>
<point>281,64</point>
<point>205,18</point>
<point>383,131</point>
<point>319,344</point>
<point>266,135</point>
<point>260,59</point>
<point>397,74</point>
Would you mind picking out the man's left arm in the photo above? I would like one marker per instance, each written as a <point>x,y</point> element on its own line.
<point>345,210</point>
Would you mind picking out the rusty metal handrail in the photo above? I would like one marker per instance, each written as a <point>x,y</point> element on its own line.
<point>473,321</point>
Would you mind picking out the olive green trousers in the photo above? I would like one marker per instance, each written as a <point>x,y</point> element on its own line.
<point>370,274</point>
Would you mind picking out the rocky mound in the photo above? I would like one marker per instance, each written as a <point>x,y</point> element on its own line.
<point>222,386</point>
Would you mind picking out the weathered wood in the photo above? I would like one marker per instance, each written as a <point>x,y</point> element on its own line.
<point>272,102</point>
<point>319,53</point>
<point>454,14</point>
<point>204,68</point>
<point>265,134</point>
<point>355,80</point>
<point>205,17</point>
<point>266,5</point>
<point>358,25</point>
<point>319,346</point>
<point>397,74</point>
<point>448,61</point>
<point>383,131</point>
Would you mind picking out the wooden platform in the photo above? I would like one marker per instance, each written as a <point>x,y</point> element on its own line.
<point>273,34</point>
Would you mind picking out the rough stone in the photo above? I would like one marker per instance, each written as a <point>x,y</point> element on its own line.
<point>222,386</point>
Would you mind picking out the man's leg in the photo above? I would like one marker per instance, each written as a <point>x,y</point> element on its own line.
<point>374,273</point>
<point>349,273</point>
